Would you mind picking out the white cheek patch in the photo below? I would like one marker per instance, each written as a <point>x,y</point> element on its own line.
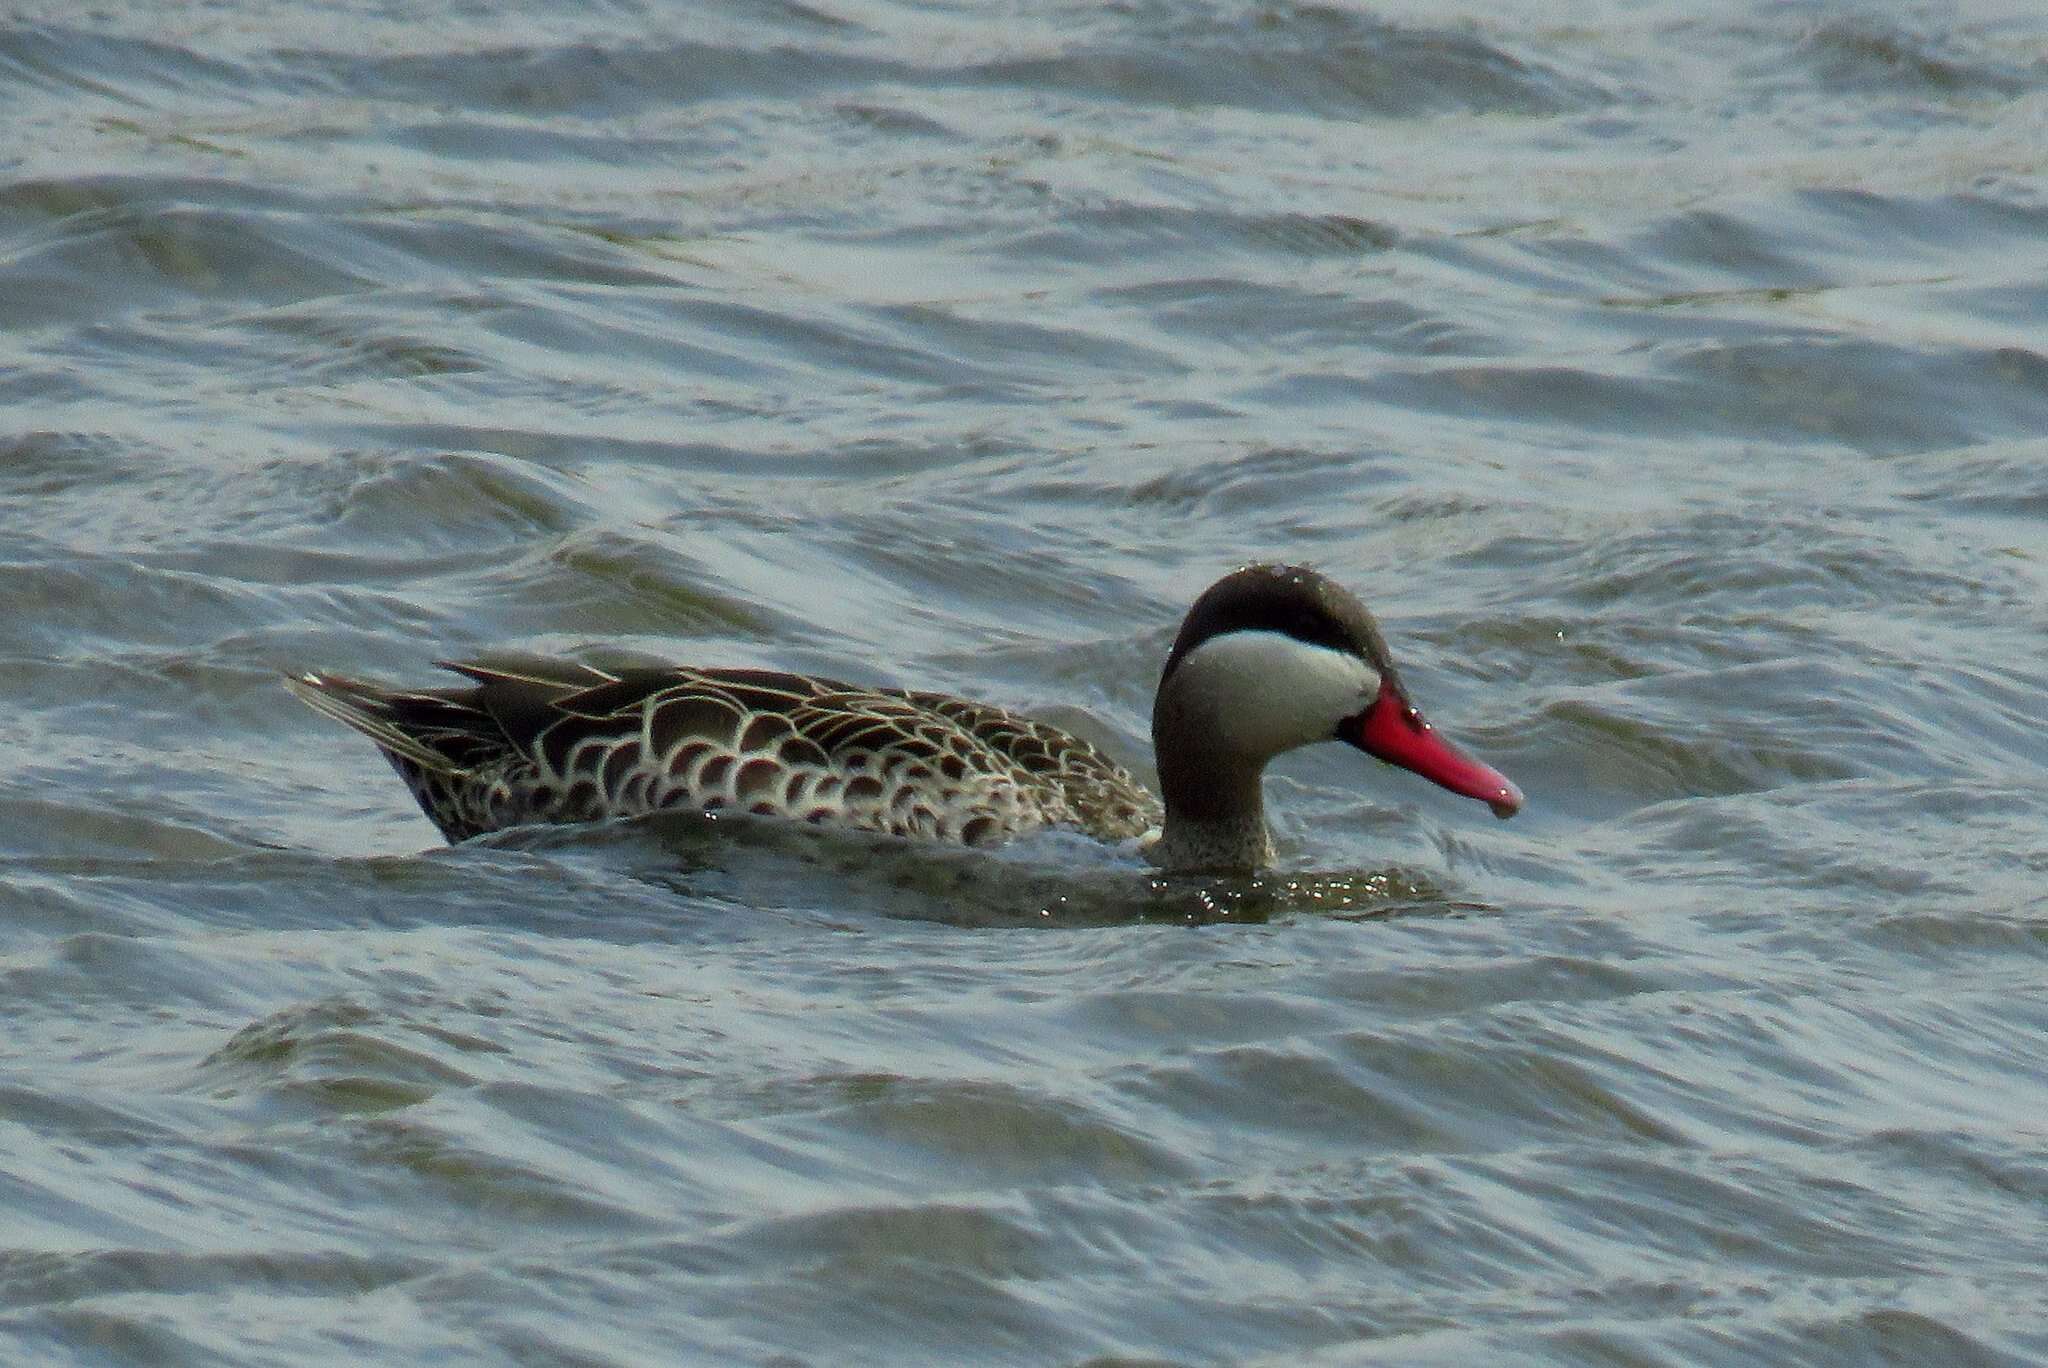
<point>1265,692</point>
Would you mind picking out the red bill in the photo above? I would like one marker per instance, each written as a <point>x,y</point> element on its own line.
<point>1395,732</point>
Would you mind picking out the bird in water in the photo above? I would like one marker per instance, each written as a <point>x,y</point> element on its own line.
<point>1269,659</point>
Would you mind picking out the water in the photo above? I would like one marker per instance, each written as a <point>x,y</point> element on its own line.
<point>1669,378</point>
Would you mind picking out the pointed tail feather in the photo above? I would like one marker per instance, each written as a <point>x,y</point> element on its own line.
<point>369,710</point>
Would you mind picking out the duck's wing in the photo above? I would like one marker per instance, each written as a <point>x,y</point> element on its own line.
<point>556,741</point>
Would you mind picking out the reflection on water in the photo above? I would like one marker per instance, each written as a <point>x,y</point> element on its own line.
<point>1670,382</point>
<point>1050,879</point>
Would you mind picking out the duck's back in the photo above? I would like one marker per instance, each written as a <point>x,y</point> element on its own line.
<point>562,742</point>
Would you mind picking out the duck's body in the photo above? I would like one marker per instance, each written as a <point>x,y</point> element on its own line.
<point>1270,658</point>
<point>553,741</point>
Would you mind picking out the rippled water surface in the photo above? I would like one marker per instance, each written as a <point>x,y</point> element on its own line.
<point>1670,377</point>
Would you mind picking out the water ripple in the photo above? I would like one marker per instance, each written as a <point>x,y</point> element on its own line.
<point>1670,383</point>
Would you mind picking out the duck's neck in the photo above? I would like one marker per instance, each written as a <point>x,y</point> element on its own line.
<point>1238,844</point>
<point>1215,801</point>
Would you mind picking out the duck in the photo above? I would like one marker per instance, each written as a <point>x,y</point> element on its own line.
<point>1269,659</point>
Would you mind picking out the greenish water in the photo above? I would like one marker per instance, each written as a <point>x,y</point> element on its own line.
<point>1670,379</point>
